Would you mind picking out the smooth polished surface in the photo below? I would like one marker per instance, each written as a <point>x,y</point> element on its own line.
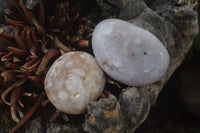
<point>73,81</point>
<point>128,53</point>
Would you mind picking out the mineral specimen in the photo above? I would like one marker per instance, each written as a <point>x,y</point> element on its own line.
<point>128,53</point>
<point>73,81</point>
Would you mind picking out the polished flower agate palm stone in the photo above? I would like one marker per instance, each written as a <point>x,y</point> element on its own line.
<point>128,53</point>
<point>73,81</point>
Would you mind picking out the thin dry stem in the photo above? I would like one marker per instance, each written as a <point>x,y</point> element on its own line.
<point>60,45</point>
<point>19,40</point>
<point>45,60</point>
<point>5,93</point>
<point>14,99</point>
<point>29,114</point>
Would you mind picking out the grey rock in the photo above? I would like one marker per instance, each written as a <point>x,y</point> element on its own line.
<point>127,9</point>
<point>134,107</point>
<point>109,10</point>
<point>35,126</point>
<point>154,90</point>
<point>108,115</point>
<point>174,22</point>
<point>103,116</point>
<point>61,128</point>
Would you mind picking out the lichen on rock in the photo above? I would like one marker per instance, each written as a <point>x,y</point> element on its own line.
<point>103,116</point>
<point>135,106</point>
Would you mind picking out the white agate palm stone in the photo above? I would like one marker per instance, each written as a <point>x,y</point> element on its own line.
<point>73,81</point>
<point>128,53</point>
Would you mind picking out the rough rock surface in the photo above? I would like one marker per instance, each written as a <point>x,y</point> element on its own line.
<point>135,106</point>
<point>109,115</point>
<point>35,126</point>
<point>61,128</point>
<point>103,116</point>
<point>174,22</point>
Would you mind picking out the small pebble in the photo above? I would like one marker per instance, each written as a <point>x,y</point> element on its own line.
<point>128,53</point>
<point>73,81</point>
